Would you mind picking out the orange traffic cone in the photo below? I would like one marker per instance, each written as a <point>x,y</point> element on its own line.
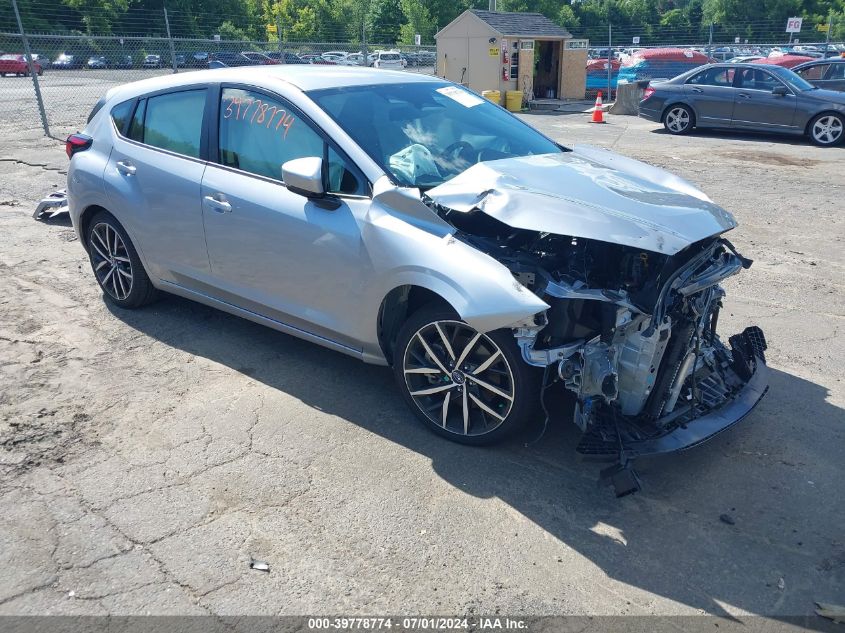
<point>598,112</point>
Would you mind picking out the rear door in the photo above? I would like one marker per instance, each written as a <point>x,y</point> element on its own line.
<point>757,108</point>
<point>711,93</point>
<point>153,179</point>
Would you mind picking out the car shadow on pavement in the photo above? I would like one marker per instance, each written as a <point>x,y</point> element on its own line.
<point>743,135</point>
<point>723,524</point>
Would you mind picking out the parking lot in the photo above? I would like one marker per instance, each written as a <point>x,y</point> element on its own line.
<point>148,456</point>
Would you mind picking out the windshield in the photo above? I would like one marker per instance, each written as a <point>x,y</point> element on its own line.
<point>425,133</point>
<point>793,80</point>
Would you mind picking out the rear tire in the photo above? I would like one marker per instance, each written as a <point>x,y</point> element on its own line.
<point>116,265</point>
<point>679,119</point>
<point>827,129</point>
<point>483,399</point>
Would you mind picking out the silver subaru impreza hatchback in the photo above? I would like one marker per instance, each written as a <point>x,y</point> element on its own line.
<point>406,221</point>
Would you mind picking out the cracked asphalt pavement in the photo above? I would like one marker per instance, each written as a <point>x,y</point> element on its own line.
<point>146,457</point>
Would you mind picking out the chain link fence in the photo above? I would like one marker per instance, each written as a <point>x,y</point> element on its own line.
<point>73,69</point>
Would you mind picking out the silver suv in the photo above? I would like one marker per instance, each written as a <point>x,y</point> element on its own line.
<point>406,221</point>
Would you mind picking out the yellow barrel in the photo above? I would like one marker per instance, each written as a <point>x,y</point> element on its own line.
<point>492,95</point>
<point>513,100</point>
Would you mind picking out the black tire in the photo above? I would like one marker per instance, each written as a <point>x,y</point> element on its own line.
<point>509,373</point>
<point>679,119</point>
<point>831,122</point>
<point>135,292</point>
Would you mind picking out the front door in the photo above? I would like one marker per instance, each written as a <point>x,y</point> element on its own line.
<point>755,106</point>
<point>274,252</point>
<point>711,94</point>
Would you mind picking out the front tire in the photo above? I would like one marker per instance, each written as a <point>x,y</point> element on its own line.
<point>827,129</point>
<point>466,386</point>
<point>678,120</point>
<point>116,265</point>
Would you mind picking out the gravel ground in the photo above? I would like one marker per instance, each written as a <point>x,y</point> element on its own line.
<point>147,456</point>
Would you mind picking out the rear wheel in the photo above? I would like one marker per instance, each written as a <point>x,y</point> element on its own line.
<point>827,129</point>
<point>679,119</point>
<point>469,387</point>
<point>116,264</point>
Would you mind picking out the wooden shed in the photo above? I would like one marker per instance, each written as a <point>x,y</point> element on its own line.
<point>492,50</point>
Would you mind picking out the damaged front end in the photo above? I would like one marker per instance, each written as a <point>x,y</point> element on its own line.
<point>632,333</point>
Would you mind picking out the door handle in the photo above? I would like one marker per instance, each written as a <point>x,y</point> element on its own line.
<point>742,95</point>
<point>697,90</point>
<point>126,168</point>
<point>215,203</point>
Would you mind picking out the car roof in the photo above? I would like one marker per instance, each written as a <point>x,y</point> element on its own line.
<point>306,77</point>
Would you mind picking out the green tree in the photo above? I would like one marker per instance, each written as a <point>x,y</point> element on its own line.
<point>385,21</point>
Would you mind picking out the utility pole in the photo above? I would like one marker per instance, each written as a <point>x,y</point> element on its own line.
<point>279,35</point>
<point>609,58</point>
<point>829,26</point>
<point>710,44</point>
<point>32,72</point>
<point>364,43</point>
<point>170,41</point>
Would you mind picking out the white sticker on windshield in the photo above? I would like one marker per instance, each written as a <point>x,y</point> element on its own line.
<point>464,97</point>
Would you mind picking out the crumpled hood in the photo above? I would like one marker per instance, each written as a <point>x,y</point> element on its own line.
<point>589,193</point>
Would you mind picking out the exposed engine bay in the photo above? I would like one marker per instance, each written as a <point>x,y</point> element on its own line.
<point>631,332</point>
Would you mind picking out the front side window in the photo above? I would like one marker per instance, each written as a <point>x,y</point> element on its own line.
<point>813,73</point>
<point>753,79</point>
<point>259,133</point>
<point>171,121</point>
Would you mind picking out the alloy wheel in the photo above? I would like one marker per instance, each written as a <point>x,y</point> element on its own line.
<point>459,378</point>
<point>678,119</point>
<point>110,260</point>
<point>827,130</point>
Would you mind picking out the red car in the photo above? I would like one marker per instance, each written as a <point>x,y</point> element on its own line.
<point>13,64</point>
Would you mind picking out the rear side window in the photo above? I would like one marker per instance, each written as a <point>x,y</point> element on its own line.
<point>713,77</point>
<point>120,114</point>
<point>136,128</point>
<point>171,121</point>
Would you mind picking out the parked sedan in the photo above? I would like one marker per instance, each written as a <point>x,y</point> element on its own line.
<point>67,62</point>
<point>752,97</point>
<point>98,62</point>
<point>828,73</point>
<point>16,64</point>
<point>480,260</point>
<point>152,61</point>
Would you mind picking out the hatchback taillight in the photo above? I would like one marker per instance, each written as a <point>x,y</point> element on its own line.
<point>77,143</point>
<point>647,93</point>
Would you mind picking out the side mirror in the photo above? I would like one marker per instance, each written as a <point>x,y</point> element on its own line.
<point>780,91</point>
<point>304,176</point>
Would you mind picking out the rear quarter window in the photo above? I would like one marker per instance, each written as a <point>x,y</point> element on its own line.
<point>97,107</point>
<point>120,115</point>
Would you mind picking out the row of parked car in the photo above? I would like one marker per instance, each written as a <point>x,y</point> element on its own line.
<point>15,63</point>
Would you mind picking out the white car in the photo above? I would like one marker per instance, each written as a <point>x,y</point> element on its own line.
<point>389,59</point>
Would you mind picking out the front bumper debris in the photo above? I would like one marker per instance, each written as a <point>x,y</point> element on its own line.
<point>51,205</point>
<point>691,425</point>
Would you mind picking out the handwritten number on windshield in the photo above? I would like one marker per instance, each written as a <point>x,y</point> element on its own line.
<point>262,114</point>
